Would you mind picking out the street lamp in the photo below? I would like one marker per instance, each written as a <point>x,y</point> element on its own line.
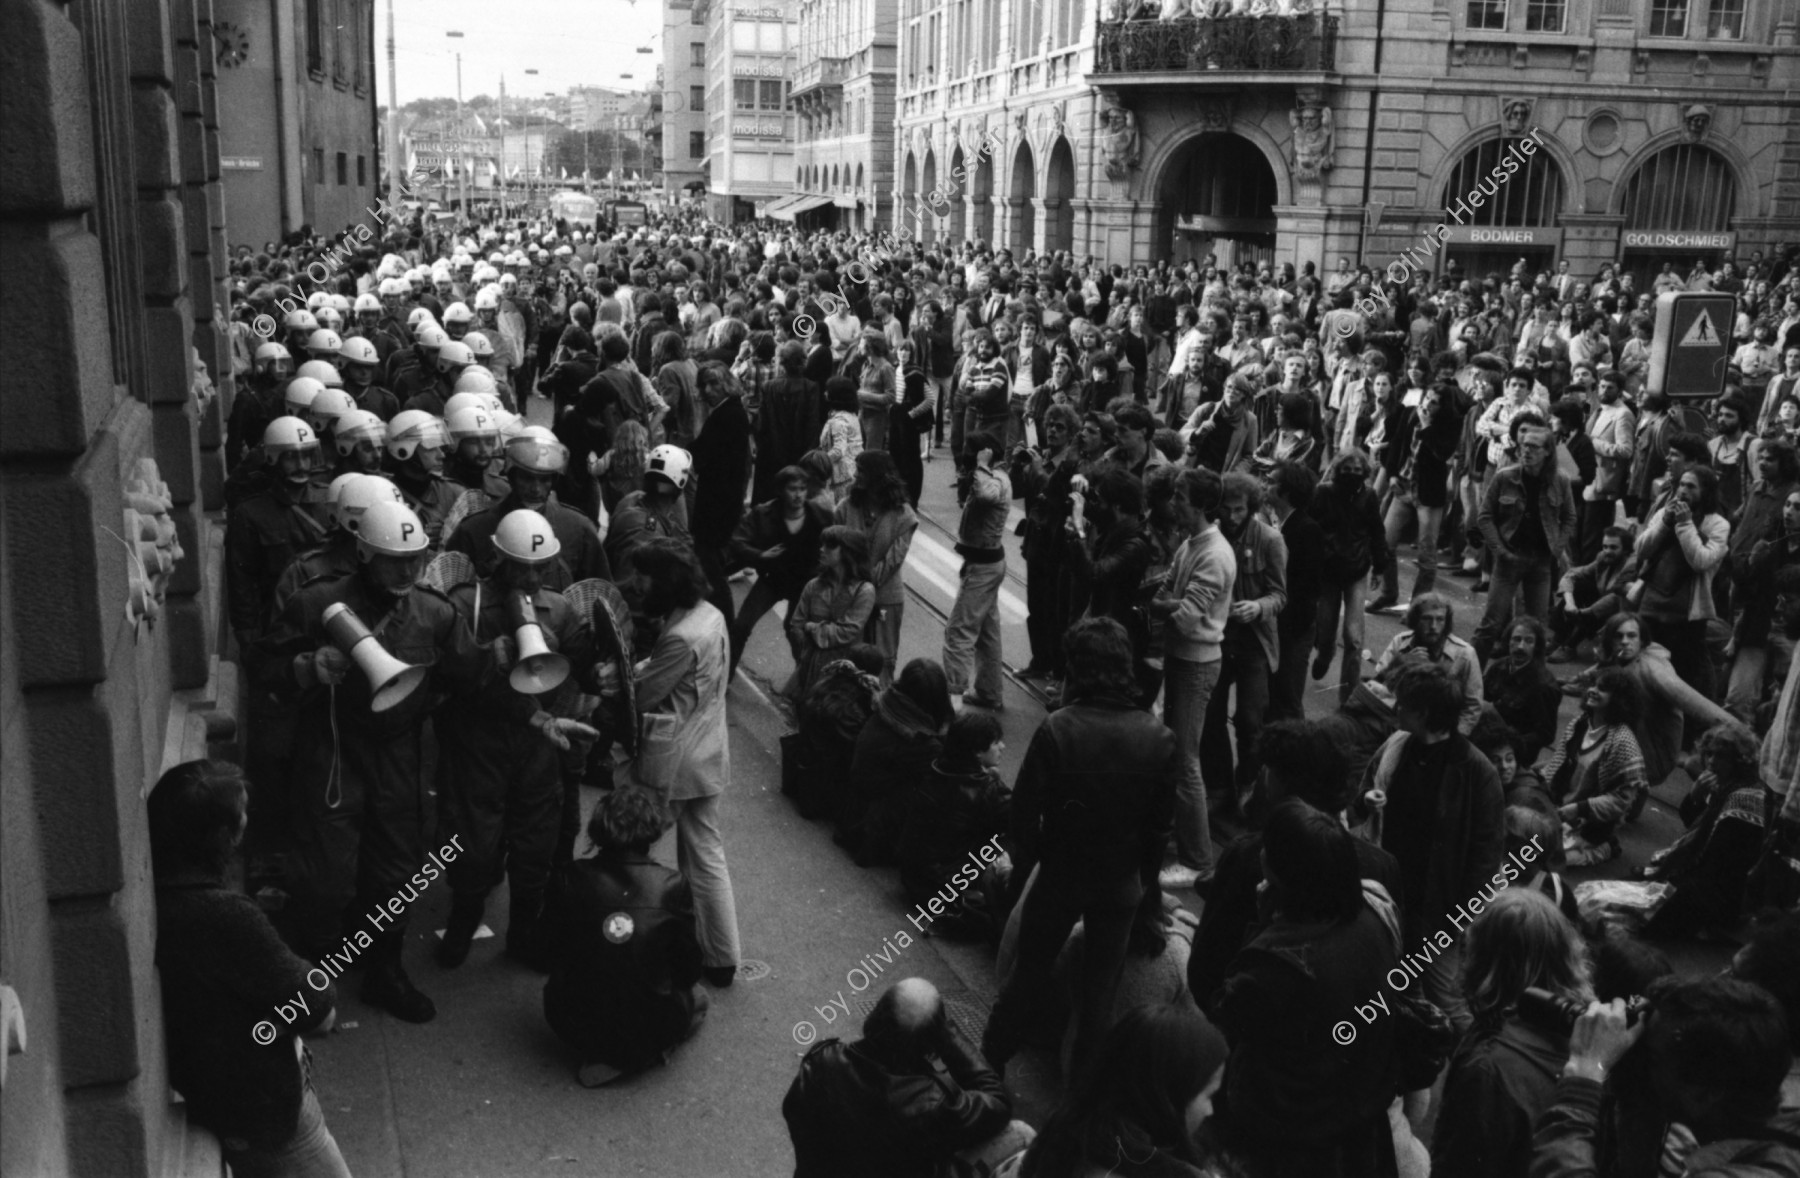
<point>531,74</point>
<point>462,190</point>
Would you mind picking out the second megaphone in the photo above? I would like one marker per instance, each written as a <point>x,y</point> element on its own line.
<point>390,680</point>
<point>539,668</point>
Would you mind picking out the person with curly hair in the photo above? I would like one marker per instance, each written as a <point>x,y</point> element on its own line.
<point>877,507</point>
<point>1518,684</point>
<point>1597,775</point>
<point>1729,813</point>
<point>834,607</point>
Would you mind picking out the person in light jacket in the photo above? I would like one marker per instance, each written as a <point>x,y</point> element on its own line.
<point>1677,553</point>
<point>1250,650</point>
<point>684,752</point>
<point>877,507</point>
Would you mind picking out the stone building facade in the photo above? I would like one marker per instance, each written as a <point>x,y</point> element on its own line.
<point>112,214</point>
<point>1305,136</point>
<point>297,135</point>
<point>683,81</point>
<point>843,96</point>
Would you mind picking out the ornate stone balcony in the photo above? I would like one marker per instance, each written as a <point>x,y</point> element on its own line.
<point>1218,45</point>
<point>818,74</point>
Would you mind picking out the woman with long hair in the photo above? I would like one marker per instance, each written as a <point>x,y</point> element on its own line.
<point>677,381</point>
<point>878,390</point>
<point>893,753</point>
<point>1138,1110</point>
<point>1505,1072</point>
<point>908,421</point>
<point>877,507</point>
<point>1298,1103</point>
<point>1729,813</point>
<point>1668,701</point>
<point>1678,551</point>
<point>1597,775</point>
<point>621,468</point>
<point>834,608</point>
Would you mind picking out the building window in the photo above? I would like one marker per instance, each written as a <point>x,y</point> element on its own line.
<point>343,169</point>
<point>1668,18</point>
<point>1531,195</point>
<point>359,45</point>
<point>697,15</point>
<point>318,165</point>
<point>773,94</point>
<point>337,42</point>
<point>696,145</point>
<point>1544,16</point>
<point>1725,20</point>
<point>1685,186</point>
<point>315,36</point>
<point>1487,14</point>
<point>697,54</point>
<point>697,99</point>
<point>743,93</point>
<point>362,172</point>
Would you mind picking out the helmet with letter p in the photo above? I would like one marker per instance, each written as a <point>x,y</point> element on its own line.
<point>416,434</point>
<point>526,536</point>
<point>292,448</point>
<point>393,546</point>
<point>534,459</point>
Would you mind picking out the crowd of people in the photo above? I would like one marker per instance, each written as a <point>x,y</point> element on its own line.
<point>1219,470</point>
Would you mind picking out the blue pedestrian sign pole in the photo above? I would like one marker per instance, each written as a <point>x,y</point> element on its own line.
<point>1692,345</point>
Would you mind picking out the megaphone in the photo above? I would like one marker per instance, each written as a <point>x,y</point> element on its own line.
<point>539,668</point>
<point>390,680</point>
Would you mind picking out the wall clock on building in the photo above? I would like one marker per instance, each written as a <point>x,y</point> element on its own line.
<point>234,44</point>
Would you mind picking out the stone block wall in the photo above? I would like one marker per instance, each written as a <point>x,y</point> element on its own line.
<point>110,221</point>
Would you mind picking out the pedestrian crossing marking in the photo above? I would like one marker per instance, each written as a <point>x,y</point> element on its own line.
<point>1700,333</point>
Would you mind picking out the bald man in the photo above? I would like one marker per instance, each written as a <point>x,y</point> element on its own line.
<point>908,1098</point>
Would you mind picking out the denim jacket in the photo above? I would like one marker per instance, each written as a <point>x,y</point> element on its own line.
<point>1503,509</point>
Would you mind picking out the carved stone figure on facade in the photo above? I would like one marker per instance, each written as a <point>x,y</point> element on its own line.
<point>1122,146</point>
<point>1313,139</point>
<point>1515,115</point>
<point>1698,120</point>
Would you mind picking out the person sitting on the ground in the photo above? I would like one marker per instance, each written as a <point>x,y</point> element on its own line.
<point>1624,967</point>
<point>1715,1053</point>
<point>1591,593</point>
<point>1140,1109</point>
<point>1504,1073</point>
<point>1156,966</point>
<point>959,807</point>
<point>831,717</point>
<point>1668,699</point>
<point>1521,786</point>
<point>1771,959</point>
<point>1518,685</point>
<point>1597,775</point>
<point>1729,813</point>
<point>1430,639</point>
<point>910,1098</point>
<point>224,968</point>
<point>893,753</point>
<point>626,989</point>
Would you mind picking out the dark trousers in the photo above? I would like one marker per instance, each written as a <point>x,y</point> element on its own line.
<point>1246,666</point>
<point>1686,643</point>
<point>1595,518</point>
<point>712,559</point>
<point>1052,905</point>
<point>1287,686</point>
<point>760,600</point>
<point>1051,607</point>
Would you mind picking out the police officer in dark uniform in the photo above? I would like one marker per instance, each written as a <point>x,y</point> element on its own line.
<point>358,774</point>
<point>359,360</point>
<point>503,778</point>
<point>533,461</point>
<point>350,495</point>
<point>414,371</point>
<point>259,401</point>
<point>415,447</point>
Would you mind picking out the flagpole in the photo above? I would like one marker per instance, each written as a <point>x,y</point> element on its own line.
<point>393,119</point>
<point>503,147</point>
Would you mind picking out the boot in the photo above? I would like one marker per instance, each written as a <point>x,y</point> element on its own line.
<point>527,941</point>
<point>1389,593</point>
<point>387,987</point>
<point>459,931</point>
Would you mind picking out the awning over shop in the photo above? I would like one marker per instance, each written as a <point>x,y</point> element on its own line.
<point>780,204</point>
<point>802,204</point>
<point>846,202</point>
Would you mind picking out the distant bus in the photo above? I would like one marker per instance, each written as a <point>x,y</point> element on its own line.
<point>628,212</point>
<point>573,207</point>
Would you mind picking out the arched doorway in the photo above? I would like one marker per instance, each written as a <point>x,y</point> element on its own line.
<point>1678,204</point>
<point>981,194</point>
<point>1217,196</point>
<point>928,211</point>
<point>1023,192</point>
<point>1059,199</point>
<point>1518,215</point>
<point>958,207</point>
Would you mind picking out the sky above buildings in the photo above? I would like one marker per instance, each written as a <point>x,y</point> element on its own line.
<point>569,43</point>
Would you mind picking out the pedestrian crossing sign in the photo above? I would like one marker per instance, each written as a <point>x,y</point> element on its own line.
<point>1690,349</point>
<point>1701,333</point>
